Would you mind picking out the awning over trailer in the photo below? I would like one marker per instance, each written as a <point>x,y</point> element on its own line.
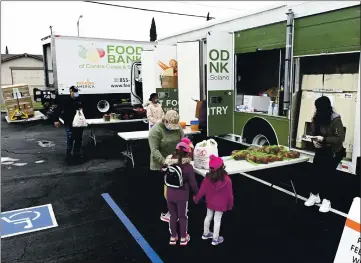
<point>331,32</point>
<point>261,38</point>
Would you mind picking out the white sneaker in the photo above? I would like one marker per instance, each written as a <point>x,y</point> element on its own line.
<point>165,217</point>
<point>313,199</point>
<point>325,206</point>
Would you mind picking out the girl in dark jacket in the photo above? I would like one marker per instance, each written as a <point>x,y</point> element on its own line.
<point>328,136</point>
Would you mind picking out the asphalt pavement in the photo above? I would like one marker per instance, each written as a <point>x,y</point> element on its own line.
<point>265,225</point>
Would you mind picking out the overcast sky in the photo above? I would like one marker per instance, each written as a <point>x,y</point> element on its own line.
<point>23,24</point>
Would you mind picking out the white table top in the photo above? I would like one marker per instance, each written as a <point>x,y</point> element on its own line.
<point>142,135</point>
<point>37,116</point>
<point>101,121</point>
<point>236,167</point>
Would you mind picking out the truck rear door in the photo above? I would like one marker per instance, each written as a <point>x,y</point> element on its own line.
<point>48,63</point>
<point>220,83</point>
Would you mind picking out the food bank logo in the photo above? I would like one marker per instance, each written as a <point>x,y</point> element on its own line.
<point>92,54</point>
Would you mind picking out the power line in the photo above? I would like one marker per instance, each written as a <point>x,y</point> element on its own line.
<point>149,10</point>
<point>213,6</point>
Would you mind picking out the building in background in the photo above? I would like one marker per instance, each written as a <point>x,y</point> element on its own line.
<point>22,69</point>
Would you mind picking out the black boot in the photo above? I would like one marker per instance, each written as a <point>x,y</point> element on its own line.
<point>68,157</point>
<point>78,158</point>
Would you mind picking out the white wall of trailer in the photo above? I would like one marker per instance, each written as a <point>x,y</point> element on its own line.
<point>188,79</point>
<point>260,18</point>
<point>357,134</point>
<point>148,74</point>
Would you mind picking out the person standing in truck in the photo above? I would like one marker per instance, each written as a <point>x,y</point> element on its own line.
<point>155,112</point>
<point>328,136</point>
<point>66,110</point>
<point>163,139</point>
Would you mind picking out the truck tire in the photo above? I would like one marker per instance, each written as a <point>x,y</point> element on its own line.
<point>258,131</point>
<point>103,106</point>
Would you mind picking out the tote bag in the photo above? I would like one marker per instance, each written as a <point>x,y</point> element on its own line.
<point>202,151</point>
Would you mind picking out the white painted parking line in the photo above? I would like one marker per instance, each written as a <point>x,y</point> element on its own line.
<point>288,192</point>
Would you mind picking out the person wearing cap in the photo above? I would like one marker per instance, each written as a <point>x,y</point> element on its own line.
<point>155,112</point>
<point>66,110</point>
<point>217,188</point>
<point>163,138</point>
<point>177,198</point>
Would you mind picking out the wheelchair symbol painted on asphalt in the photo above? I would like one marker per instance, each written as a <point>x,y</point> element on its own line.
<point>27,220</point>
<point>22,219</point>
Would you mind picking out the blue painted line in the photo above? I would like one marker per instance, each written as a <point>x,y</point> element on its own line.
<point>152,255</point>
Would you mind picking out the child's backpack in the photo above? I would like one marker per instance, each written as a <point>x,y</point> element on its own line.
<point>173,176</point>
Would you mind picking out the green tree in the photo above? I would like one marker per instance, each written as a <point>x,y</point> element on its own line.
<point>153,31</point>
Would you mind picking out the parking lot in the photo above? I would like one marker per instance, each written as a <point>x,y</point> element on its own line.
<point>265,225</point>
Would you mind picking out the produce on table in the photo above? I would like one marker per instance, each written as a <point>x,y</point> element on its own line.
<point>265,154</point>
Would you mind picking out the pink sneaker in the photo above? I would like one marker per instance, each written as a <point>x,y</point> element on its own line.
<point>184,240</point>
<point>173,240</point>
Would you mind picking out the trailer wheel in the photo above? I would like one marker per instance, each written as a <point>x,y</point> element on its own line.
<point>103,106</point>
<point>261,140</point>
<point>258,131</point>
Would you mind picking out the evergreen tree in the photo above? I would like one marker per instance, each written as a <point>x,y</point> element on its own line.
<point>6,50</point>
<point>153,31</point>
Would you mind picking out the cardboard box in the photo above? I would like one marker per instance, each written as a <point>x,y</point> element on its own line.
<point>15,91</point>
<point>169,82</point>
<point>15,96</point>
<point>26,105</point>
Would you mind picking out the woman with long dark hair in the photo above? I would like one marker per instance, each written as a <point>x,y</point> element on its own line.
<point>328,136</point>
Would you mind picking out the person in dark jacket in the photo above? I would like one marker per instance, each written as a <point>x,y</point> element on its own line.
<point>177,198</point>
<point>66,110</point>
<point>203,117</point>
<point>329,134</point>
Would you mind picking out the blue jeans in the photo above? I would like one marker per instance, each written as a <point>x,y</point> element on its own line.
<point>74,139</point>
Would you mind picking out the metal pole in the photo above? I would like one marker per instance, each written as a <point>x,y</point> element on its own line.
<point>81,16</point>
<point>288,61</point>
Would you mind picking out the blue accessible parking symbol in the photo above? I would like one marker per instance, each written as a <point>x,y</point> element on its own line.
<point>27,220</point>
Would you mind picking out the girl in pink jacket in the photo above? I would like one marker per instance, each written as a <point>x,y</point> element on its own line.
<point>217,187</point>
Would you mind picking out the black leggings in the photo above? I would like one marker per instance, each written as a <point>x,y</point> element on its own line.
<point>325,163</point>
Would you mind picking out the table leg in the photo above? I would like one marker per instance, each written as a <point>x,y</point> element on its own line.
<point>294,190</point>
<point>92,136</point>
<point>129,152</point>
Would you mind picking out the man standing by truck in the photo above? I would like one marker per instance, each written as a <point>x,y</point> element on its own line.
<point>66,109</point>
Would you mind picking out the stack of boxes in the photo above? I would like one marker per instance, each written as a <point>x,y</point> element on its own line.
<point>18,96</point>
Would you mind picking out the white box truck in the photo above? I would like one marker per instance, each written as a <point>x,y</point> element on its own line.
<point>105,71</point>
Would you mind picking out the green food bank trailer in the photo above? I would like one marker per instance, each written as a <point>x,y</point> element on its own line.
<point>262,72</point>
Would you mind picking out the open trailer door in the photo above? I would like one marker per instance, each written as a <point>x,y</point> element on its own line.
<point>166,76</point>
<point>188,55</point>
<point>220,83</point>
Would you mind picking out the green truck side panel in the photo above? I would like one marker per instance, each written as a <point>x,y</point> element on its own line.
<point>171,96</point>
<point>265,37</point>
<point>220,124</point>
<point>279,124</point>
<point>331,32</point>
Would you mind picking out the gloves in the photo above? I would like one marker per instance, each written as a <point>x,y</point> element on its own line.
<point>319,138</point>
<point>317,144</point>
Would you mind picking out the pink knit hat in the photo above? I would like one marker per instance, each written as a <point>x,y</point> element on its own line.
<point>186,140</point>
<point>185,147</point>
<point>215,162</point>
